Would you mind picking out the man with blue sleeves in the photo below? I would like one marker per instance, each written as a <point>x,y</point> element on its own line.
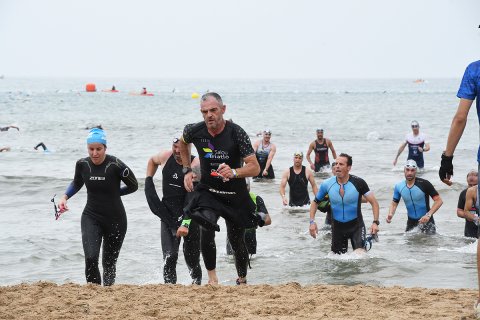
<point>345,192</point>
<point>416,193</point>
<point>468,92</point>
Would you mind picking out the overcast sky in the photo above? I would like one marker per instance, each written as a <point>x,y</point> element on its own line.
<point>239,38</point>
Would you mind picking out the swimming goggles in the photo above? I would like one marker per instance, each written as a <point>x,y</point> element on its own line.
<point>369,240</point>
<point>57,213</point>
<point>175,140</point>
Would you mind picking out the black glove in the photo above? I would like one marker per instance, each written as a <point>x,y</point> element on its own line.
<point>446,167</point>
<point>261,216</point>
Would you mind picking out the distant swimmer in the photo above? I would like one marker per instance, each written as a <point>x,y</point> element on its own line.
<point>113,88</point>
<point>320,146</point>
<point>41,144</point>
<point>98,126</point>
<point>297,177</point>
<point>5,149</point>
<point>345,192</point>
<point>144,91</point>
<point>251,233</point>
<point>103,218</point>
<point>470,214</point>
<point>9,127</point>
<point>417,145</point>
<point>265,151</point>
<point>170,212</point>
<point>416,193</point>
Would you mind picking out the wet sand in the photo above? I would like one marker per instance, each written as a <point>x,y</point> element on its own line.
<point>44,300</point>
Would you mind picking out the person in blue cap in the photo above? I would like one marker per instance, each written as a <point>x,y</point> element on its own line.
<point>103,218</point>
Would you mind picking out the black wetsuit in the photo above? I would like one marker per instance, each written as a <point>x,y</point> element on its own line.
<point>174,195</point>
<point>298,188</point>
<point>104,216</point>
<point>471,229</point>
<point>321,155</point>
<point>230,199</point>
<point>251,233</point>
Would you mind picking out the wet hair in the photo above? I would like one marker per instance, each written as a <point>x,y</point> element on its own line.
<point>349,158</point>
<point>214,95</point>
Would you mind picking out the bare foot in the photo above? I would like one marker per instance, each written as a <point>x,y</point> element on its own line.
<point>212,277</point>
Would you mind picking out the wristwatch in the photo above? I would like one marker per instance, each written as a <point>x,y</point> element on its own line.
<point>376,222</point>
<point>186,170</point>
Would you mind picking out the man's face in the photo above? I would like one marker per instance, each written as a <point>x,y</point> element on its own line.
<point>341,167</point>
<point>176,150</point>
<point>212,113</point>
<point>319,135</point>
<point>297,161</point>
<point>472,180</point>
<point>410,173</point>
<point>415,129</point>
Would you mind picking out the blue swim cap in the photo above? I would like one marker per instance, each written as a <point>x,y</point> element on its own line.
<point>97,135</point>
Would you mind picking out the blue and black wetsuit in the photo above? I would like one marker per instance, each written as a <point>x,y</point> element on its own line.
<point>104,216</point>
<point>229,199</point>
<point>347,219</point>
<point>417,201</point>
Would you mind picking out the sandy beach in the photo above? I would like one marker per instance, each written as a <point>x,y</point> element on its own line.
<point>44,300</point>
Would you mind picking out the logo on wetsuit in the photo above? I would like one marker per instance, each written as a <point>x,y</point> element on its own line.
<point>211,153</point>
<point>97,178</point>
<point>175,176</point>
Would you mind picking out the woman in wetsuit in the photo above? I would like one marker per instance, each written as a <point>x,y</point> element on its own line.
<point>265,151</point>
<point>104,218</point>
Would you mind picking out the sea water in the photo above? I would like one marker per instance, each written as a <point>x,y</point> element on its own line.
<point>367,119</point>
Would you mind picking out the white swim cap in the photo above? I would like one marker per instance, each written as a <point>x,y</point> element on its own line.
<point>411,164</point>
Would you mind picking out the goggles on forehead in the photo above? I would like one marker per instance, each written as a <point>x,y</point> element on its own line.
<point>175,140</point>
<point>298,154</point>
<point>411,164</point>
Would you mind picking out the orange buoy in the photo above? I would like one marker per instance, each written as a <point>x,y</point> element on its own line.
<point>91,87</point>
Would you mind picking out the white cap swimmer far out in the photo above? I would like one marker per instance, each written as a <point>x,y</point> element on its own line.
<point>411,164</point>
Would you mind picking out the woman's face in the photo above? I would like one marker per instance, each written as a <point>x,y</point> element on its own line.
<point>96,151</point>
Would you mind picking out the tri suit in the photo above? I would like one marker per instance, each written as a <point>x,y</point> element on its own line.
<point>321,155</point>
<point>104,216</point>
<point>214,198</point>
<point>347,219</point>
<point>262,157</point>
<point>471,229</point>
<point>414,142</point>
<point>417,201</point>
<point>298,193</point>
<point>170,211</point>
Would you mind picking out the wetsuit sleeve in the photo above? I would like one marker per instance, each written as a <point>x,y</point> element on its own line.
<point>462,199</point>
<point>396,194</point>
<point>261,205</point>
<point>468,88</point>
<point>77,182</point>
<point>429,189</point>
<point>244,143</point>
<point>127,176</point>
<point>362,186</point>
<point>188,131</point>
<point>322,192</point>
